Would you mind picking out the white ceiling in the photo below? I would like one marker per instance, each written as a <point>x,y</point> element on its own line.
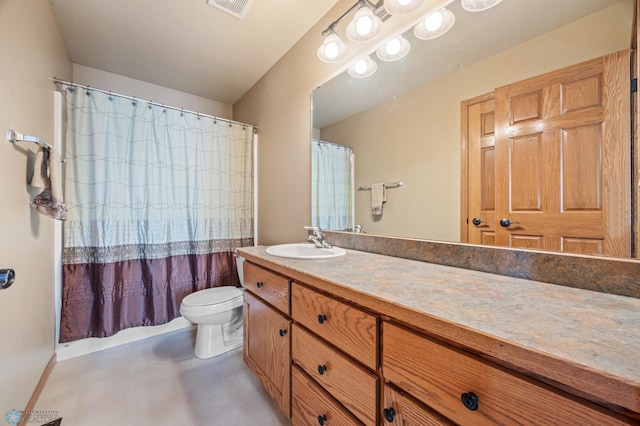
<point>185,45</point>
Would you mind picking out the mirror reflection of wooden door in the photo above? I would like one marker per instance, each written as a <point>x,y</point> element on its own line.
<point>480,119</point>
<point>562,156</point>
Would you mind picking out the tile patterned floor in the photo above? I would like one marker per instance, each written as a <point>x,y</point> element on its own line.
<point>158,381</point>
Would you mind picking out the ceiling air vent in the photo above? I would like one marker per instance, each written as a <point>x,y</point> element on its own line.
<point>237,8</point>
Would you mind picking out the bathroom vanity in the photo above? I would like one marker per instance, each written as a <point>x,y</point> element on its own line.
<point>373,339</point>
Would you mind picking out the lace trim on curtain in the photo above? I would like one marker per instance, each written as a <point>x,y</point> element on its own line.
<point>78,255</point>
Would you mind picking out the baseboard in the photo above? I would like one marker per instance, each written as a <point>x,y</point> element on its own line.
<point>38,390</point>
<point>86,346</point>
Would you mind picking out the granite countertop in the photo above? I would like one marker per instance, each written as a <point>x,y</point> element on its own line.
<point>586,340</point>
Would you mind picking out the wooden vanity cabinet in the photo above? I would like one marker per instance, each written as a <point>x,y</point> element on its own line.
<point>328,361</point>
<point>335,344</point>
<point>472,391</point>
<point>267,333</point>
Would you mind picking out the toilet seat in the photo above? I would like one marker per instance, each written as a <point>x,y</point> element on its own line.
<point>211,300</point>
<point>212,296</point>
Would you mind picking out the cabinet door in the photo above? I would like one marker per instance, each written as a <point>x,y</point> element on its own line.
<point>267,349</point>
<point>399,409</point>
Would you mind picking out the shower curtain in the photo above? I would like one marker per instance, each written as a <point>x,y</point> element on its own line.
<point>331,186</point>
<point>158,199</point>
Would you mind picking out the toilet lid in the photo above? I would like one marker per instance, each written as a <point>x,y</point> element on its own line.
<point>212,296</point>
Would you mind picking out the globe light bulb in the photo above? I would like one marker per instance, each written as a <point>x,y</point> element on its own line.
<point>331,50</point>
<point>364,25</point>
<point>434,21</point>
<point>360,67</point>
<point>393,47</point>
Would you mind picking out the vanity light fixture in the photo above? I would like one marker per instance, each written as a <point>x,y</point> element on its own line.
<point>478,5</point>
<point>401,7</point>
<point>333,48</point>
<point>394,49</point>
<point>363,68</point>
<point>365,24</point>
<point>434,25</point>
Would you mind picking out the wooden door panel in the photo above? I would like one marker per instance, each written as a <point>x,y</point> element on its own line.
<point>526,176</point>
<point>527,241</point>
<point>581,168</point>
<point>488,238</point>
<point>583,245</point>
<point>487,180</point>
<point>480,134</point>
<point>583,93</point>
<point>562,150</point>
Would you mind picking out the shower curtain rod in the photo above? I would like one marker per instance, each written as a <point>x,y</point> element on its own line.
<point>335,144</point>
<point>133,98</point>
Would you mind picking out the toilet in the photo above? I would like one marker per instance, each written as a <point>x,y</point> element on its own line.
<point>218,314</point>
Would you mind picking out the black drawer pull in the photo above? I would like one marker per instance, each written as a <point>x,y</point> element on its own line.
<point>259,284</point>
<point>470,400</point>
<point>283,332</point>
<point>322,369</point>
<point>389,414</point>
<point>322,419</point>
<point>322,318</point>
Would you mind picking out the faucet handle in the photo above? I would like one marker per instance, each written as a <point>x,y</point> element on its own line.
<point>314,230</point>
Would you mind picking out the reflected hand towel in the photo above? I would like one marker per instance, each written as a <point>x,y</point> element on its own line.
<point>378,197</point>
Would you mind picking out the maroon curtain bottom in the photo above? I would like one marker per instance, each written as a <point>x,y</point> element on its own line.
<point>98,300</point>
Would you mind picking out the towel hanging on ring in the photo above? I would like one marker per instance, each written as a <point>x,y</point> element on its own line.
<point>47,174</point>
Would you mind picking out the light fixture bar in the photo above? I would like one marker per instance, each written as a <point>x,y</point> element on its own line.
<point>332,25</point>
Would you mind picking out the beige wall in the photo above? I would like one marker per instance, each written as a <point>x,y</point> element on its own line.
<point>416,138</point>
<point>140,89</point>
<point>280,105</point>
<point>32,52</point>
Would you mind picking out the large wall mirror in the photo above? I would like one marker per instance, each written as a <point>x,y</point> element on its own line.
<point>403,123</point>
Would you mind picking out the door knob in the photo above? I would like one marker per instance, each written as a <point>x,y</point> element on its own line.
<point>477,221</point>
<point>505,223</point>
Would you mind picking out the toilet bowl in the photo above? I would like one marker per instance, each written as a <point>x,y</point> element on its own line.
<point>218,314</point>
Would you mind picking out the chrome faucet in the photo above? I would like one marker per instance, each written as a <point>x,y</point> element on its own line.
<point>316,236</point>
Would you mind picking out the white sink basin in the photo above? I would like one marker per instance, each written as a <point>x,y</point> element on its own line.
<point>304,251</point>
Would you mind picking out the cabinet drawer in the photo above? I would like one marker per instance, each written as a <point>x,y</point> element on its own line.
<point>270,287</point>
<point>439,375</point>
<point>348,328</point>
<point>352,385</point>
<point>400,409</point>
<point>312,405</point>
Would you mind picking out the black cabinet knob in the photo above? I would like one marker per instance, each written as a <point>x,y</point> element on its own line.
<point>470,400</point>
<point>322,419</point>
<point>259,284</point>
<point>283,332</point>
<point>389,414</point>
<point>322,318</point>
<point>322,369</point>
